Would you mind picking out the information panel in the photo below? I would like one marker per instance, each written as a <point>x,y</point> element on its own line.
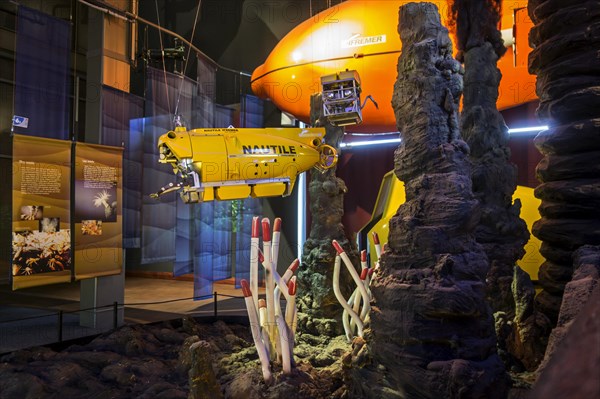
<point>98,213</point>
<point>41,235</point>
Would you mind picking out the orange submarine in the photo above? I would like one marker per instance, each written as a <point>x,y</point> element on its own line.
<point>362,35</point>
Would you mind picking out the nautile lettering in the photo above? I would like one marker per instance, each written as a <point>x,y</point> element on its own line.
<point>269,149</point>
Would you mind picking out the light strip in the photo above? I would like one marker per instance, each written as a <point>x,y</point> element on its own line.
<point>372,134</point>
<point>527,129</point>
<point>368,142</point>
<point>301,183</point>
<point>351,144</point>
<point>301,211</point>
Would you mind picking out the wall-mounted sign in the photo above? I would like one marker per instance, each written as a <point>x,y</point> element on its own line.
<point>41,234</point>
<point>20,121</point>
<point>98,217</point>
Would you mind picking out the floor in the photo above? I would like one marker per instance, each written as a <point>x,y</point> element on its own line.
<point>31,316</point>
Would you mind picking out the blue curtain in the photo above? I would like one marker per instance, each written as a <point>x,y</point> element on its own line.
<point>160,217</point>
<point>223,116</point>
<point>212,252</point>
<point>43,57</point>
<point>250,207</point>
<point>122,126</point>
<point>252,111</point>
<point>132,185</point>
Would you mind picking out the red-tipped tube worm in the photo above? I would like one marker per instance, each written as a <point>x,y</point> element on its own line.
<point>254,260</point>
<point>361,287</point>
<point>343,302</point>
<point>256,335</point>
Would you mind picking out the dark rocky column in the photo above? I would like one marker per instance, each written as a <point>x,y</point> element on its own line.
<point>526,337</point>
<point>586,279</point>
<point>501,232</point>
<point>572,371</point>
<point>566,39</point>
<point>432,329</point>
<point>326,198</point>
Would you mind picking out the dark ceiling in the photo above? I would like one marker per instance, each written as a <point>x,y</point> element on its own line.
<point>238,34</point>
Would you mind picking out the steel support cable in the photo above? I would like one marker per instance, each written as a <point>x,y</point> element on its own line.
<point>162,52</point>
<point>126,15</point>
<point>187,58</point>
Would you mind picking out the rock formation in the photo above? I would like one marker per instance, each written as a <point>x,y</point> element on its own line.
<point>566,38</point>
<point>433,332</point>
<point>525,334</point>
<point>203,382</point>
<point>326,198</point>
<point>578,292</point>
<point>501,232</point>
<point>572,371</point>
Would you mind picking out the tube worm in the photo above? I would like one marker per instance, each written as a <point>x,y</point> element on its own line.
<point>280,285</point>
<point>344,303</point>
<point>286,278</point>
<point>254,261</point>
<point>291,316</point>
<point>363,292</point>
<point>367,278</point>
<point>284,344</point>
<point>263,354</point>
<point>346,321</point>
<point>291,270</point>
<point>377,245</point>
<point>290,308</point>
<point>275,242</point>
<point>262,311</point>
<point>270,282</point>
<point>356,298</point>
<point>357,293</point>
<point>363,259</point>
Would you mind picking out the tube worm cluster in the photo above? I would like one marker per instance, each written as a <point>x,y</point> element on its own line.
<point>378,251</point>
<point>273,330</point>
<point>357,307</point>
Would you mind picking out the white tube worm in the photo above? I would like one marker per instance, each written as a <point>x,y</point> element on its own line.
<point>254,261</point>
<point>343,302</point>
<point>367,306</point>
<point>263,354</point>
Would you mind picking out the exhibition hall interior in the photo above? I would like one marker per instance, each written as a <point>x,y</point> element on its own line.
<point>299,198</point>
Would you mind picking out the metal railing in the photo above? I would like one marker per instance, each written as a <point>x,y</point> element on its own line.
<point>61,315</point>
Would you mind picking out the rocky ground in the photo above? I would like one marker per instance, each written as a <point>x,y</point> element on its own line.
<point>155,361</point>
<point>185,359</point>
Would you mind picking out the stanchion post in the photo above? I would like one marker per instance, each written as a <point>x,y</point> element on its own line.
<point>60,326</point>
<point>115,315</point>
<point>215,302</point>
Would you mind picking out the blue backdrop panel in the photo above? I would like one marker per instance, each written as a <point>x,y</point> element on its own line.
<point>132,185</point>
<point>42,65</point>
<point>223,116</point>
<point>167,94</point>
<point>210,251</point>
<point>252,112</point>
<point>250,207</point>
<point>184,242</point>
<point>122,126</point>
<point>159,217</point>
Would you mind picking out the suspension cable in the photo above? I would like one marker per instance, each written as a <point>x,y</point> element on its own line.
<point>187,58</point>
<point>162,51</point>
